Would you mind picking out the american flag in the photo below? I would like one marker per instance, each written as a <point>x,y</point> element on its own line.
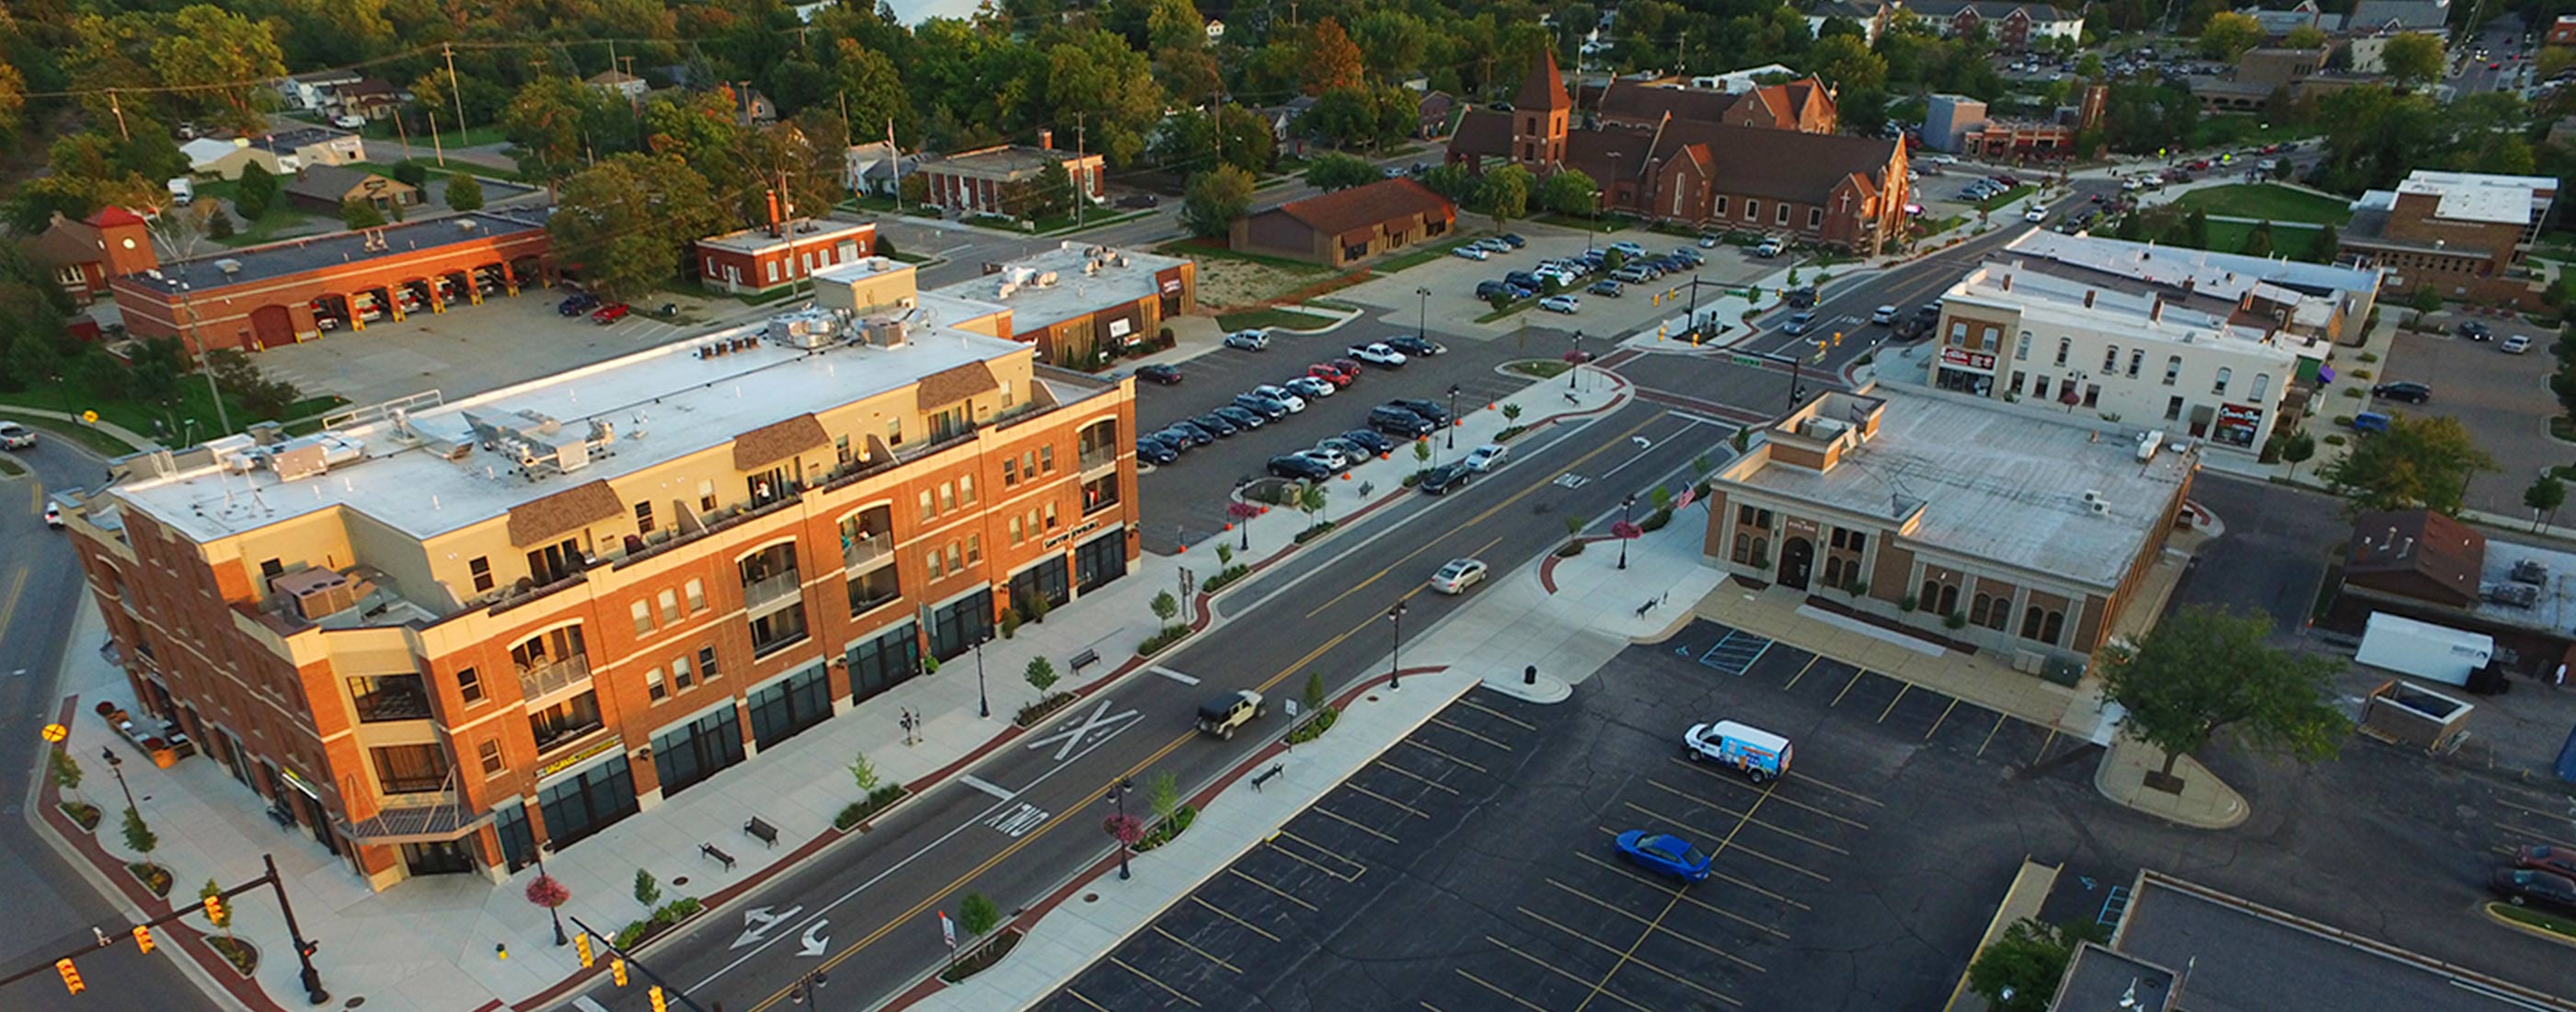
<point>1685,500</point>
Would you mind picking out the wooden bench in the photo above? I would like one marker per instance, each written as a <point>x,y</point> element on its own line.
<point>709,850</point>
<point>1264,776</point>
<point>767,834</point>
<point>1085,657</point>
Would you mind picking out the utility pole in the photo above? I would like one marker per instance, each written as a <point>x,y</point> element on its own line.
<point>119,110</point>
<point>1081,157</point>
<point>896,154</point>
<point>455,91</point>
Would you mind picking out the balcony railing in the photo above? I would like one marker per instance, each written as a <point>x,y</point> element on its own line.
<point>385,704</point>
<point>550,739</point>
<point>428,786</point>
<point>1097,457</point>
<point>759,593</point>
<point>856,552</point>
<point>548,679</point>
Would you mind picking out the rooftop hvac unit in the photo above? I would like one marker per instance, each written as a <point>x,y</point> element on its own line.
<point>1822,428</point>
<point>228,265</point>
<point>2531,571</point>
<point>1007,289</point>
<point>887,332</point>
<point>318,592</point>
<point>2092,495</point>
<point>2148,442</point>
<point>2515,595</point>
<point>2099,508</point>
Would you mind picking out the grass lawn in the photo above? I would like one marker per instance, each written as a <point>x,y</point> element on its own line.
<point>1542,368</point>
<point>1215,249</point>
<point>2560,926</point>
<point>1288,319</point>
<point>2289,239</point>
<point>1424,255</point>
<point>2005,200</point>
<point>1090,220</point>
<point>99,442</point>
<point>2265,201</point>
<point>1609,222</point>
<point>383,130</point>
<point>73,396</point>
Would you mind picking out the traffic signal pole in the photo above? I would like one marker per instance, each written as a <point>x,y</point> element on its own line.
<point>304,949</point>
<point>668,990</point>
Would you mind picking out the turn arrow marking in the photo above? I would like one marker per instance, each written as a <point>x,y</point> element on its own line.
<point>758,920</point>
<point>815,941</point>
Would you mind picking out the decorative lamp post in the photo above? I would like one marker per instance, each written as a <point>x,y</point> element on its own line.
<point>1395,668</point>
<point>1453,416</point>
<point>547,892</point>
<point>1422,311</point>
<point>1123,827</point>
<point>116,765</point>
<point>1625,531</point>
<point>983,700</point>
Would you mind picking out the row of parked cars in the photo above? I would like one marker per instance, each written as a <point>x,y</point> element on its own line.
<point>1991,187</point>
<point>1638,267</point>
<point>1275,402</point>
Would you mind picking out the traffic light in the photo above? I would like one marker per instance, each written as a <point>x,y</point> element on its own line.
<point>581,944</point>
<point>142,938</point>
<point>617,970</point>
<point>71,976</point>
<point>657,998</point>
<point>215,909</point>
<point>1838,339</point>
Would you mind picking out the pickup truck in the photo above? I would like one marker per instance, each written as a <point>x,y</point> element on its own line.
<point>1220,716</point>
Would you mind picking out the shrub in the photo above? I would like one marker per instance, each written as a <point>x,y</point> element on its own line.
<point>83,813</point>
<point>1315,726</point>
<point>1155,643</point>
<point>1041,674</point>
<point>647,891</point>
<point>1224,576</point>
<point>1908,603</point>
<point>1569,550</point>
<point>1955,620</point>
<point>1037,711</point>
<point>2334,439</point>
<point>977,915</point>
<point>464,192</point>
<point>1165,606</point>
<point>1038,608</point>
<point>411,173</point>
<point>1655,521</point>
<point>1317,531</point>
<point>1010,622</point>
<point>2368,357</point>
<point>1314,694</point>
<point>863,773</point>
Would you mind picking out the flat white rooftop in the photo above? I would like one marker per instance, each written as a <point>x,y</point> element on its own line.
<point>2554,607</point>
<point>1999,484</point>
<point>1088,279</point>
<point>662,404</point>
<point>2061,300</point>
<point>2225,275</point>
<point>801,231</point>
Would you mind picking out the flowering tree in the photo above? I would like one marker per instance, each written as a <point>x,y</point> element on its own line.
<point>1126,829</point>
<point>547,892</point>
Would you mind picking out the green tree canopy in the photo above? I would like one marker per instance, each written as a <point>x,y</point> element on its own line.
<point>2026,963</point>
<point>219,55</point>
<point>1214,199</point>
<point>1337,171</point>
<point>1568,192</point>
<point>2229,34</point>
<point>1332,60</point>
<point>464,192</point>
<point>2413,58</point>
<point>626,222</point>
<point>2204,669</point>
<point>2419,463</point>
<point>1505,194</point>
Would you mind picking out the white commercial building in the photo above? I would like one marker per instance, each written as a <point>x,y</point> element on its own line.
<point>2012,332</point>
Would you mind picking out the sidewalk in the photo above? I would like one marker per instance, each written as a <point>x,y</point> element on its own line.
<point>436,944</point>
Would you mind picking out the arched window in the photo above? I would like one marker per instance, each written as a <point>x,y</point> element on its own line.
<point>2055,625</point>
<point>2030,618</point>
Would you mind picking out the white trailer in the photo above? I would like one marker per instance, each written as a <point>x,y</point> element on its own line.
<point>2424,650</point>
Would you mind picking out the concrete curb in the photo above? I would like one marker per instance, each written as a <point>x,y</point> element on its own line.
<point>2238,811</point>
<point>2487,910</point>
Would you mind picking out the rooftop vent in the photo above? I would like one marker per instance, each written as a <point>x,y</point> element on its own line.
<point>228,265</point>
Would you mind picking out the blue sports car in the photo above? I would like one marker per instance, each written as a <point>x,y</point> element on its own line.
<point>1665,853</point>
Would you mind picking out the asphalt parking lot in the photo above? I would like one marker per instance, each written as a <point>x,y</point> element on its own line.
<point>2504,401</point>
<point>469,348</point>
<point>1471,866</point>
<point>1453,306</point>
<point>1186,499</point>
<point>2272,556</point>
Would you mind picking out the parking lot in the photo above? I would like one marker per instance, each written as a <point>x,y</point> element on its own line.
<point>471,348</point>
<point>1454,308</point>
<point>1186,498</point>
<point>1472,865</point>
<point>2503,399</point>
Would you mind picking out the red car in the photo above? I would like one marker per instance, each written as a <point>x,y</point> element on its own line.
<point>2559,860</point>
<point>1329,374</point>
<point>609,313</point>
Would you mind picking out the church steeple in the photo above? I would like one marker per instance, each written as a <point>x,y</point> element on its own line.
<point>1541,115</point>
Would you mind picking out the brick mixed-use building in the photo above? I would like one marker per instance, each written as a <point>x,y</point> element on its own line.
<point>1346,226</point>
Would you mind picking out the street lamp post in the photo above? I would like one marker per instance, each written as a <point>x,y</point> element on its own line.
<point>983,700</point>
<point>560,940</point>
<point>1422,313</point>
<point>1395,668</point>
<point>1596,221</point>
<point>807,990</point>
<point>116,765</point>
<point>1625,507</point>
<point>1453,416</point>
<point>1118,796</point>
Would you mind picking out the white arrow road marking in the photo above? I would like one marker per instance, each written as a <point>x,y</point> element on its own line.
<point>814,940</point>
<point>1100,720</point>
<point>986,786</point>
<point>758,920</point>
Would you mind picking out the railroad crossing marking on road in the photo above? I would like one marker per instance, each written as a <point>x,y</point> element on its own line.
<point>1015,821</point>
<point>1101,721</point>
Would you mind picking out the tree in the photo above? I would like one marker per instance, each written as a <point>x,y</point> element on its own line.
<point>976,915</point>
<point>2545,495</point>
<point>2413,58</point>
<point>2305,37</point>
<point>873,87</point>
<point>1214,199</point>
<point>2196,228</point>
<point>1041,674</point>
<point>2027,961</point>
<point>1337,171</point>
<point>1310,501</point>
<point>255,193</point>
<point>2204,669</point>
<point>1847,62</point>
<point>66,770</point>
<point>1568,192</point>
<point>1451,181</point>
<point>1163,796</point>
<point>2258,240</point>
<point>358,214</point>
<point>139,837</point>
<point>1095,78</point>
<point>218,56</point>
<point>864,774</point>
<point>647,891</point>
<point>1332,61</point>
<point>222,914</point>
<point>411,173</point>
<point>2419,463</point>
<point>627,221</point>
<point>544,124</point>
<point>2324,248</point>
<point>2229,34</point>
<point>1165,606</point>
<point>2297,449</point>
<point>464,192</point>
<point>1506,194</point>
<point>1314,694</point>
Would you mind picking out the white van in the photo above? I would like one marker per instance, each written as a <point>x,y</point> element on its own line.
<point>183,191</point>
<point>1758,754</point>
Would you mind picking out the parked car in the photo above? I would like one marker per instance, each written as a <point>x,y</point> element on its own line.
<point>1440,480</point>
<point>1218,424</point>
<point>1181,440</point>
<point>1664,854</point>
<point>1200,435</point>
<point>2410,392</point>
<point>1430,410</point>
<point>1707,241</point>
<point>1265,407</point>
<point>1139,200</point>
<point>1281,394</point>
<point>1332,374</point>
<point>1605,288</point>
<point>1395,421</point>
<point>2475,330</point>
<point>1884,315</point>
<point>1769,248</point>
<point>2034,213</point>
<point>1296,465</point>
<point>1521,279</point>
<point>14,436</point>
<point>1378,354</point>
<point>2543,857</point>
<point>2524,887</point>
<point>1799,323</point>
<point>2369,422</point>
<point>1414,346</point>
<point>1310,387</point>
<point>1561,304</point>
<point>1487,457</point>
<point>609,313</point>
<point>1153,451</point>
<point>1631,274</point>
<point>1370,440</point>
<point>576,304</point>
<point>1349,366</point>
<point>1513,239</point>
<point>1330,458</point>
<point>54,515</point>
<point>1220,716</point>
<point>1458,575</point>
<point>1159,373</point>
<point>2515,345</point>
<point>1489,289</point>
<point>1470,253</point>
<point>1248,340</point>
<point>1629,249</point>
<point>1352,453</point>
<point>1243,418</point>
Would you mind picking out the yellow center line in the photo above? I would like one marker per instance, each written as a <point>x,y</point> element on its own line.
<point>1568,974</point>
<point>1524,725</point>
<point>1901,689</point>
<point>1651,929</point>
<point>35,497</point>
<point>1614,443</point>
<point>1408,809</point>
<point>1945,715</point>
<point>1802,672</point>
<point>1228,915</point>
<point>1426,781</point>
<point>1488,985</point>
<point>1203,953</point>
<point>1149,978</point>
<point>9,605</point>
<point>1471,734</point>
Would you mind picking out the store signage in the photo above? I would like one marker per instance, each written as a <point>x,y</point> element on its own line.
<point>590,751</point>
<point>1172,286</point>
<point>1972,359</point>
<point>297,782</point>
<point>1119,328</point>
<point>1072,534</point>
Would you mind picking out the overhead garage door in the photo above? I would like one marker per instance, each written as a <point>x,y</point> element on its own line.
<point>272,326</point>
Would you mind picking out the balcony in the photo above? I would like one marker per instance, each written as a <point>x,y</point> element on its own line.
<point>773,590</point>
<point>555,734</point>
<point>548,679</point>
<point>1095,458</point>
<point>389,698</point>
<point>867,550</point>
<point>872,591</point>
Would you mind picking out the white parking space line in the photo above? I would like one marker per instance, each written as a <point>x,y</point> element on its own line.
<point>986,786</point>
<point>1173,675</point>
